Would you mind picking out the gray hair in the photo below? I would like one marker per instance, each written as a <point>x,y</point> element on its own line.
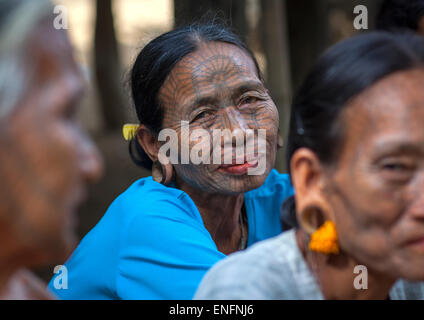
<point>17,19</point>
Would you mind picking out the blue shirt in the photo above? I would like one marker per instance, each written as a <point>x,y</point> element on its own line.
<point>152,244</point>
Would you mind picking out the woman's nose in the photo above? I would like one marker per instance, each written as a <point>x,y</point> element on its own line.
<point>233,120</point>
<point>417,207</point>
<point>91,163</point>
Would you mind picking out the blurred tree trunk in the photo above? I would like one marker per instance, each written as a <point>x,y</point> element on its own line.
<point>311,31</point>
<point>275,46</point>
<point>107,67</point>
<point>307,29</point>
<point>232,11</point>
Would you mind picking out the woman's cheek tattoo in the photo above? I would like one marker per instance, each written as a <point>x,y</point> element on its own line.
<point>210,78</point>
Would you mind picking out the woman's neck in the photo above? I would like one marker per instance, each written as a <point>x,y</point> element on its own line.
<point>6,273</point>
<point>221,216</point>
<point>12,255</point>
<point>335,275</point>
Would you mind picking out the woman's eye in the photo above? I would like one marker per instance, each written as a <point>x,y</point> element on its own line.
<point>70,111</point>
<point>397,171</point>
<point>397,166</point>
<point>394,167</point>
<point>202,115</point>
<point>248,100</point>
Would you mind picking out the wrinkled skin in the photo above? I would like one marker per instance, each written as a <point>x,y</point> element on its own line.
<point>46,159</point>
<point>372,191</point>
<point>376,189</point>
<point>218,87</point>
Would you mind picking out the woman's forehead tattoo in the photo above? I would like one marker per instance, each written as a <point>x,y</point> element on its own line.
<point>209,71</point>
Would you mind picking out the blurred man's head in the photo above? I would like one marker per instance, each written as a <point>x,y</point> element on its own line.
<point>46,160</point>
<point>401,15</point>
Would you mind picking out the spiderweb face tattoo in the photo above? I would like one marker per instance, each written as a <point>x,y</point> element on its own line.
<point>216,90</point>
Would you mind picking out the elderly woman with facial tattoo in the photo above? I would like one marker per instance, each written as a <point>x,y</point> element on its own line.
<point>159,237</point>
<point>45,159</point>
<point>356,154</point>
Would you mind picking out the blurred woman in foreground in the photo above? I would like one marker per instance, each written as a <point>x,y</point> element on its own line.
<point>356,154</point>
<point>45,159</point>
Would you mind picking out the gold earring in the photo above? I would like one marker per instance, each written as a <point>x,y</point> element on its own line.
<point>162,173</point>
<point>325,239</point>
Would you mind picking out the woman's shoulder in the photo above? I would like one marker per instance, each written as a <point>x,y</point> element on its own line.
<point>146,197</point>
<point>407,290</point>
<point>146,191</point>
<point>145,206</point>
<point>268,270</point>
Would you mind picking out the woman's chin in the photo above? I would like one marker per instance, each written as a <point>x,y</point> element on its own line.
<point>414,272</point>
<point>242,183</point>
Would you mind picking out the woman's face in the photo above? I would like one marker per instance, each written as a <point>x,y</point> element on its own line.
<point>217,88</point>
<point>376,188</point>
<point>46,159</point>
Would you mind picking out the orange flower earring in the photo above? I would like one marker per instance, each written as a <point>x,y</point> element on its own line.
<point>325,239</point>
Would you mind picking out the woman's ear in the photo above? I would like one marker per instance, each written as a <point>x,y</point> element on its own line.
<point>148,142</point>
<point>307,174</point>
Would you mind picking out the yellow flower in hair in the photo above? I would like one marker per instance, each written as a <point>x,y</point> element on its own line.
<point>325,240</point>
<point>129,131</point>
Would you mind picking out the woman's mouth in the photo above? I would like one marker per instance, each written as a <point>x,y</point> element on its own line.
<point>238,169</point>
<point>417,244</point>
